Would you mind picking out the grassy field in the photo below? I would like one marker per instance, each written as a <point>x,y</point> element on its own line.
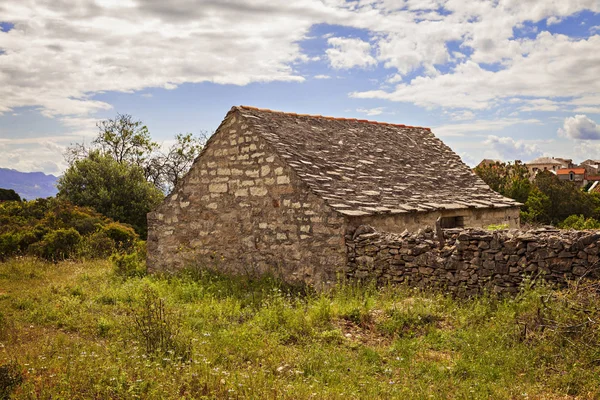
<point>78,330</point>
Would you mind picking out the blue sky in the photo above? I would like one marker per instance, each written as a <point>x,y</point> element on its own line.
<point>501,79</point>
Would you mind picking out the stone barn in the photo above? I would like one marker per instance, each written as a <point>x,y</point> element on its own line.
<point>277,192</point>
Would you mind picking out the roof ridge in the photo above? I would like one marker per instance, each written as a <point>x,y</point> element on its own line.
<point>332,118</point>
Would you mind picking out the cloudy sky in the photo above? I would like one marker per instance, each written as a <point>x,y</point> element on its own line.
<point>507,79</point>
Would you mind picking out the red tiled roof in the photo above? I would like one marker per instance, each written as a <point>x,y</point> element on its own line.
<point>593,177</point>
<point>566,171</point>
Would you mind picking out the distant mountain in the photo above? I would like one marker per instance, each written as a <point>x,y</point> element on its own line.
<point>29,185</point>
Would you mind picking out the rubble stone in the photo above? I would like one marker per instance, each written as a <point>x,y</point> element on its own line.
<point>472,260</point>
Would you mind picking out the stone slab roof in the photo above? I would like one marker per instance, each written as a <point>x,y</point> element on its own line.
<point>362,167</point>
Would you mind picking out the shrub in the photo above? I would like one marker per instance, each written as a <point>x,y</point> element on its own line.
<point>26,239</point>
<point>84,224</point>
<point>579,222</point>
<point>55,229</point>
<point>60,244</point>
<point>129,265</point>
<point>97,245</point>
<point>9,245</point>
<point>123,236</point>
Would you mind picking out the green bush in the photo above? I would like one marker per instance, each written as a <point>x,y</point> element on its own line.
<point>59,245</point>
<point>129,265</point>
<point>579,222</point>
<point>9,245</point>
<point>55,229</point>
<point>97,245</point>
<point>85,224</point>
<point>123,236</point>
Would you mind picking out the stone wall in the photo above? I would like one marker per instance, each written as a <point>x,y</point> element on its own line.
<point>473,218</point>
<point>243,210</point>
<point>472,259</point>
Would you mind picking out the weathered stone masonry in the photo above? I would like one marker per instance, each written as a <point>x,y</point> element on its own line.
<point>242,209</point>
<point>276,192</point>
<point>472,259</point>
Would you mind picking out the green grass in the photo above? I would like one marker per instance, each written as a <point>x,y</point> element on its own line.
<point>77,330</point>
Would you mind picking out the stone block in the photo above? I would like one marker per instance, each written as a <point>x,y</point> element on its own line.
<point>283,180</point>
<point>217,188</point>
<point>425,270</point>
<point>258,191</point>
<point>241,193</point>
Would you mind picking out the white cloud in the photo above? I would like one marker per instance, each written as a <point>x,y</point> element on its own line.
<point>481,126</point>
<point>371,111</point>
<point>347,53</point>
<point>59,55</point>
<point>541,105</point>
<point>580,127</point>
<point>589,110</point>
<point>464,115</point>
<point>45,156</point>
<point>553,20</point>
<point>322,76</point>
<point>510,149</point>
<point>549,66</point>
<point>585,150</point>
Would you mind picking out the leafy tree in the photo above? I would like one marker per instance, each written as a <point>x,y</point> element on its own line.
<point>537,207</point>
<point>9,195</point>
<point>565,198</point>
<point>493,174</point>
<point>510,180</point>
<point>125,140</point>
<point>128,142</point>
<point>118,190</point>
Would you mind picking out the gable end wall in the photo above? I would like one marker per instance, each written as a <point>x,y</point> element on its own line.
<point>242,210</point>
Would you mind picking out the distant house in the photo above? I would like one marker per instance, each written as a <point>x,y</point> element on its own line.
<point>486,162</point>
<point>547,164</point>
<point>566,162</point>
<point>592,167</point>
<point>575,175</point>
<point>592,178</point>
<point>278,192</point>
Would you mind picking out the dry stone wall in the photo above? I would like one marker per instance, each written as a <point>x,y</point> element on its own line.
<point>242,209</point>
<point>472,260</point>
